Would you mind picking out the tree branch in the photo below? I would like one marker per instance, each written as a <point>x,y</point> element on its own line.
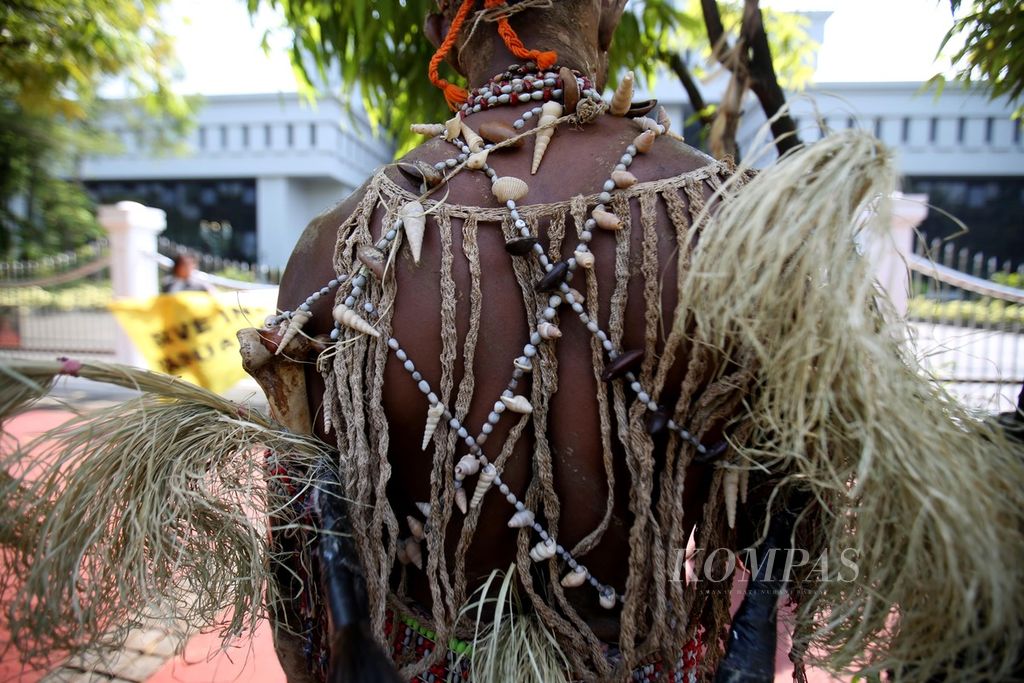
<point>715,29</point>
<point>763,79</point>
<point>682,72</point>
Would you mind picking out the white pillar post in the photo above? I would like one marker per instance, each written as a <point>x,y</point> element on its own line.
<point>908,211</point>
<point>133,230</point>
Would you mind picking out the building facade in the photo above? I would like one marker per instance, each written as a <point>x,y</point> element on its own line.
<point>250,176</point>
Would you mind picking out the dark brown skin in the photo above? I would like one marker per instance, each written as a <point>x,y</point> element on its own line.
<point>578,161</point>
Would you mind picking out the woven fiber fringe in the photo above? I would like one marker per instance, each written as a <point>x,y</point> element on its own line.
<point>924,499</point>
<point>153,501</point>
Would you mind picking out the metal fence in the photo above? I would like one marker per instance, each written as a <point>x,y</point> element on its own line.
<point>968,311</point>
<point>59,305</point>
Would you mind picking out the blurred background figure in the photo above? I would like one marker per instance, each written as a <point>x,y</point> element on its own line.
<point>182,277</point>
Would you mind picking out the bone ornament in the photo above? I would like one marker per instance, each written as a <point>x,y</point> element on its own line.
<point>344,315</point>
<point>414,221</point>
<point>434,414</point>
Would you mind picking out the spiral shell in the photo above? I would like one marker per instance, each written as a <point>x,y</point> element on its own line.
<point>460,500</point>
<point>477,160</point>
<point>414,221</point>
<point>416,527</point>
<point>434,414</point>
<point>523,363</point>
<point>466,467</point>
<point>730,488</point>
<point>484,482</point>
<point>605,220</point>
<point>574,579</point>
<point>517,404</point>
<point>663,119</point>
<point>585,259</point>
<point>607,600</point>
<point>452,128</point>
<point>344,315</point>
<point>623,179</point>
<point>424,509</point>
<point>295,323</point>
<point>549,114</point>
<point>431,130</point>
<point>623,96</point>
<point>548,331</point>
<point>649,124</point>
<point>521,519</point>
<point>509,188</point>
<point>544,550</point>
<point>644,141</point>
<point>414,552</point>
<point>473,141</point>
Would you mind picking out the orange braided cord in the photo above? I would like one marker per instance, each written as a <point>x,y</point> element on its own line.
<point>545,60</point>
<point>453,94</point>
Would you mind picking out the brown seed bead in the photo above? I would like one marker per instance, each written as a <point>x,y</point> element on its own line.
<point>553,278</point>
<point>499,131</point>
<point>520,246</point>
<point>373,258</point>
<point>622,364</point>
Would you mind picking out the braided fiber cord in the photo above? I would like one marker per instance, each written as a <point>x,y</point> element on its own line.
<point>544,59</point>
<point>453,94</point>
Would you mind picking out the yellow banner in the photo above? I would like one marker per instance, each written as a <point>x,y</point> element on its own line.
<point>192,334</point>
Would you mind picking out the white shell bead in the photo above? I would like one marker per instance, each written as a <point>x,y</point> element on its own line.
<point>298,319</point>
<point>509,188</point>
<point>429,129</point>
<point>544,550</point>
<point>730,489</point>
<point>521,519</point>
<point>517,404</point>
<point>434,414</point>
<point>414,221</point>
<point>484,482</point>
<point>584,258</point>
<point>574,579</point>
<point>606,221</point>
<point>607,600</point>
<point>466,467</point>
<point>344,315</point>
<point>623,96</point>
<point>416,527</point>
<point>548,331</point>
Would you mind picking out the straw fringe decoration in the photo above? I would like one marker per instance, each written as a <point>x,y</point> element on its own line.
<point>151,500</point>
<point>923,497</point>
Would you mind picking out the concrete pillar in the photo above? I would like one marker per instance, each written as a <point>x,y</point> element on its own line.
<point>274,220</point>
<point>133,230</point>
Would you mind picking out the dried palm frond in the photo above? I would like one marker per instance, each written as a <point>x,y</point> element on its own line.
<point>160,499</point>
<point>922,497</point>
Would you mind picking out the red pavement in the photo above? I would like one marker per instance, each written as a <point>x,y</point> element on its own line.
<point>204,660</point>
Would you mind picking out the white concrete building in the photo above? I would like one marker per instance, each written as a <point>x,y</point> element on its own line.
<point>286,159</point>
